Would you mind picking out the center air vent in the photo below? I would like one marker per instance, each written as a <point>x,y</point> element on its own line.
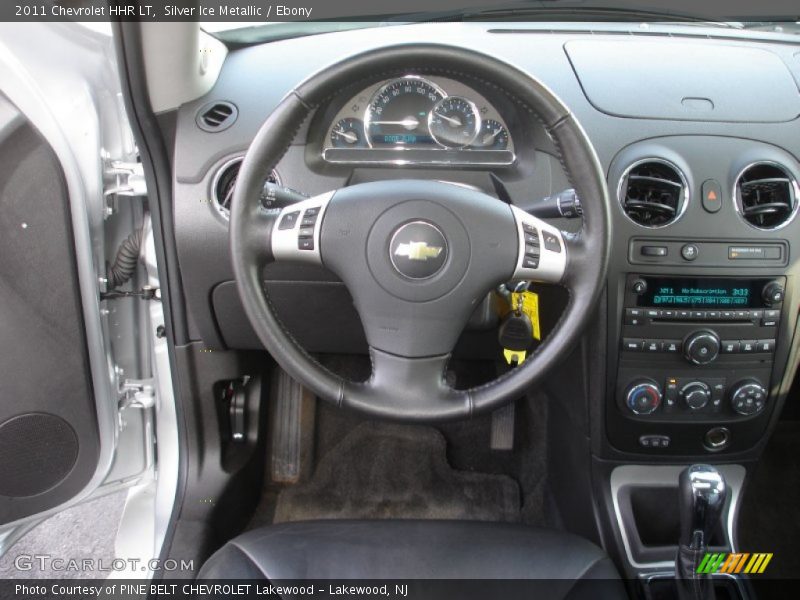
<point>225,181</point>
<point>766,195</point>
<point>217,116</point>
<point>653,193</point>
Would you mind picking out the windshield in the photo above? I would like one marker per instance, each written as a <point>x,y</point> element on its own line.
<point>280,22</point>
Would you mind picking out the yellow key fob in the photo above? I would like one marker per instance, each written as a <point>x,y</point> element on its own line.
<point>515,357</point>
<point>530,306</point>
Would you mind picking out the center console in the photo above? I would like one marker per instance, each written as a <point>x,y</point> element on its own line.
<point>695,362</point>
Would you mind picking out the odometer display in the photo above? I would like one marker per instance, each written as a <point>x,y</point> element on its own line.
<point>398,113</point>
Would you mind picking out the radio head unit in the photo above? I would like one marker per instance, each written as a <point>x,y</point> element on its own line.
<point>704,292</point>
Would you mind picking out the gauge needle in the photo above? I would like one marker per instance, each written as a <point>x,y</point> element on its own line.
<point>452,120</point>
<point>347,135</point>
<point>409,123</point>
<point>490,137</point>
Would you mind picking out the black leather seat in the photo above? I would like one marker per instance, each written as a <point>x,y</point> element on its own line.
<point>419,550</point>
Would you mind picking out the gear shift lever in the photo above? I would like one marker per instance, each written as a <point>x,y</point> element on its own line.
<point>702,498</point>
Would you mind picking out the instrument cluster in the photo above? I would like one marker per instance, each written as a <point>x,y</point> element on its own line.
<point>419,120</point>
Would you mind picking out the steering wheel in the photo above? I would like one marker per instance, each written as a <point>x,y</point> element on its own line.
<point>418,256</point>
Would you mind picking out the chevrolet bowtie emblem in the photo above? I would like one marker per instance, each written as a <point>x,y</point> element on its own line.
<point>418,251</point>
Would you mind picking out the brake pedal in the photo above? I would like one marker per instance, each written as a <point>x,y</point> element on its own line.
<point>502,437</point>
<point>292,415</point>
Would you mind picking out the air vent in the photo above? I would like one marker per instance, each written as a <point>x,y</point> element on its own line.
<point>653,193</point>
<point>225,181</point>
<point>216,117</point>
<point>766,195</point>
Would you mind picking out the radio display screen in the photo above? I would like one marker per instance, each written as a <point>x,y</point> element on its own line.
<point>691,292</point>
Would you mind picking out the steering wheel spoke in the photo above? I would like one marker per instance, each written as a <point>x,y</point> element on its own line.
<point>295,233</point>
<point>416,386</point>
<point>542,249</point>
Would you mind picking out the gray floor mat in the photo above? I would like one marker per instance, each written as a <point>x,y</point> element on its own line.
<point>382,471</point>
<point>86,531</point>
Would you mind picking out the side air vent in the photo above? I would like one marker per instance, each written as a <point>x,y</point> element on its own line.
<point>653,193</point>
<point>766,195</point>
<point>216,117</point>
<point>225,181</point>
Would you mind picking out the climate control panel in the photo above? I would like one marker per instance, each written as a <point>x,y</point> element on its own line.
<point>695,363</point>
<point>689,395</point>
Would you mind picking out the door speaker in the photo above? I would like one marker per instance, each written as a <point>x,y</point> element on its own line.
<point>37,451</point>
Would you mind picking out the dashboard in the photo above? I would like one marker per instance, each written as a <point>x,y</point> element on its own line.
<point>702,172</point>
<point>420,120</point>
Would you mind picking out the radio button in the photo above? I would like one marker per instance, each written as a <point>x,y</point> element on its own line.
<point>713,315</point>
<point>672,346</point>
<point>730,347</point>
<point>755,315</point>
<point>765,346</point>
<point>728,315</point>
<point>743,314</point>
<point>701,347</point>
<point>669,314</point>
<point>653,346</point>
<point>632,345</point>
<point>653,313</point>
<point>747,346</point>
<point>684,314</point>
<point>635,321</point>
<point>770,318</point>
<point>700,315</point>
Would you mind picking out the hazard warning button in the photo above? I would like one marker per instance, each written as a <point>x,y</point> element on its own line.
<point>712,195</point>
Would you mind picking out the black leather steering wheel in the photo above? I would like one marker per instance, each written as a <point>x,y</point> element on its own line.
<point>418,256</point>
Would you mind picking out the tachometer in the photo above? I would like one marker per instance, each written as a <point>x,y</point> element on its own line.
<point>454,122</point>
<point>398,113</point>
<point>348,133</point>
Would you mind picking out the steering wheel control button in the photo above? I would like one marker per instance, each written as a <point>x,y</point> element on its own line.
<point>418,250</point>
<point>289,220</point>
<point>643,397</point>
<point>748,397</point>
<point>654,441</point>
<point>305,243</point>
<point>701,347</point>
<point>689,252</point>
<point>712,195</point>
<point>541,252</point>
<point>551,242</point>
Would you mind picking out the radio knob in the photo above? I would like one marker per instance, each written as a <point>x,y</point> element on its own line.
<point>748,397</point>
<point>772,293</point>
<point>696,394</point>
<point>643,396</point>
<point>701,347</point>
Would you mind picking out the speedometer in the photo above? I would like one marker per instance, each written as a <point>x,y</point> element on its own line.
<point>398,112</point>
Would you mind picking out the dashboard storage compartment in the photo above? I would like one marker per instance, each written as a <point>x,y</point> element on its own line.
<point>690,81</point>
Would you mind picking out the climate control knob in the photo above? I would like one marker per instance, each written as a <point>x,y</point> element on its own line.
<point>748,397</point>
<point>696,394</point>
<point>701,347</point>
<point>643,396</point>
